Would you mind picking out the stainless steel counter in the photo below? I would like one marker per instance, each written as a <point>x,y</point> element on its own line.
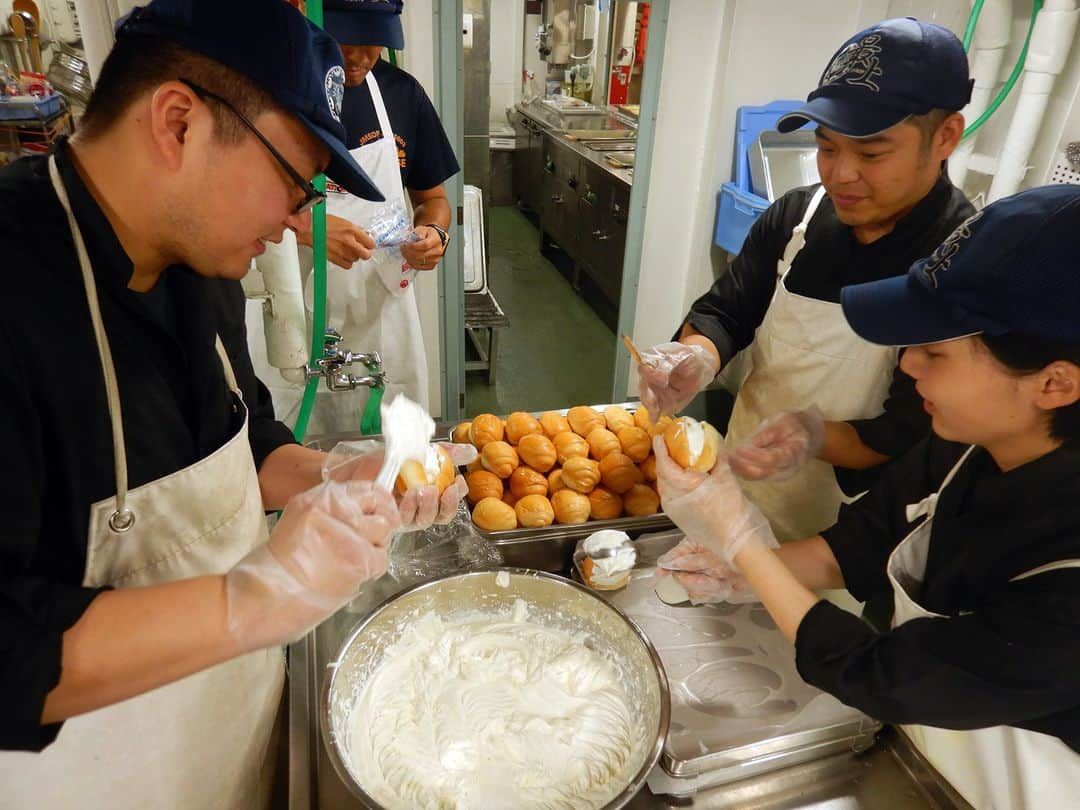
<point>889,775</point>
<point>556,125</point>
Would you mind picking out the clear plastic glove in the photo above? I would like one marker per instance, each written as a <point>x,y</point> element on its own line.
<point>329,541</point>
<point>705,577</point>
<point>671,375</point>
<point>418,508</point>
<point>780,446</point>
<point>710,507</point>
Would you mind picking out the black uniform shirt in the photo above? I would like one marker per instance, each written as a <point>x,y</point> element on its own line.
<point>54,422</point>
<point>1006,653</point>
<point>424,152</point>
<point>832,258</point>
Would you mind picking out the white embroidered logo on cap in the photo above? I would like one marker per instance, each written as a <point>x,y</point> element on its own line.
<point>942,257</point>
<point>335,90</point>
<point>857,64</point>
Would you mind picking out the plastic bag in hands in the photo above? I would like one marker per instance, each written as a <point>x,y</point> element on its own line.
<point>671,375</point>
<point>705,577</point>
<point>391,228</point>
<point>710,507</point>
<point>780,446</point>
<point>330,540</point>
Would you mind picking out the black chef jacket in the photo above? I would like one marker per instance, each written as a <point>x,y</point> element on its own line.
<point>1008,653</point>
<point>832,258</point>
<point>54,421</point>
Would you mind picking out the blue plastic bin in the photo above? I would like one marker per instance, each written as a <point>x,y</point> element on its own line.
<point>30,110</point>
<point>736,205</point>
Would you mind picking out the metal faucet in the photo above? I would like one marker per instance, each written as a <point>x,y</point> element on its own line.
<point>334,365</point>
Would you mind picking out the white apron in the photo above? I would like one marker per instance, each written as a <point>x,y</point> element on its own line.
<point>998,768</point>
<point>367,304</point>
<point>805,353</point>
<point>200,742</point>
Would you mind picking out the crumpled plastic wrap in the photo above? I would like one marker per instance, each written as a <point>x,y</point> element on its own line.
<point>441,550</point>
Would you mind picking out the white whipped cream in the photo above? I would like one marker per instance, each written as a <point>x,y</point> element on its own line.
<point>432,463</point>
<point>607,570</point>
<point>695,438</point>
<point>492,712</point>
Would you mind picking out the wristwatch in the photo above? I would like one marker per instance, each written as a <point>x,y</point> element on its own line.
<point>444,237</point>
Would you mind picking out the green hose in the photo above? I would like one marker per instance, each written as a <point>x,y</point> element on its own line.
<point>318,240</point>
<point>973,20</point>
<point>1018,68</point>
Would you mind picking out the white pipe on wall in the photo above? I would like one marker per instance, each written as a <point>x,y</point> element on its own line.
<point>989,45</point>
<point>1050,43</point>
<point>284,319</point>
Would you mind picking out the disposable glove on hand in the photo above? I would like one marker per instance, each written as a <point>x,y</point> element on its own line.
<point>780,446</point>
<point>419,508</point>
<point>710,507</point>
<point>705,577</point>
<point>671,375</point>
<point>329,540</point>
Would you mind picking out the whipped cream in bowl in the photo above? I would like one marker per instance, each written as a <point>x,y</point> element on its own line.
<point>508,689</point>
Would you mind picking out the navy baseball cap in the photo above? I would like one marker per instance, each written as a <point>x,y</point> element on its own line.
<point>365,22</point>
<point>884,74</point>
<point>275,46</point>
<point>1008,268</point>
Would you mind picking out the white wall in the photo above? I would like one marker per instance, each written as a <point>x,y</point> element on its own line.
<point>507,24</point>
<point>418,58</point>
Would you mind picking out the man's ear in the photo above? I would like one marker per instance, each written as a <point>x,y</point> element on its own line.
<point>948,135</point>
<point>173,107</point>
<point>1060,385</point>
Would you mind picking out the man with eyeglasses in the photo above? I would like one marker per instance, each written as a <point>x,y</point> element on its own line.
<point>142,604</point>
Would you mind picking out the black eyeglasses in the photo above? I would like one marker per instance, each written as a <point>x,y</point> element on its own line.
<point>312,196</point>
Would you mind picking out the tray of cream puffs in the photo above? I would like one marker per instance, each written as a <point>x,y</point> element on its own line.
<point>569,472</point>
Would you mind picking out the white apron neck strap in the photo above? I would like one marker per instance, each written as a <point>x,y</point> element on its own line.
<point>928,505</point>
<point>123,518</point>
<point>380,109</point>
<point>798,234</point>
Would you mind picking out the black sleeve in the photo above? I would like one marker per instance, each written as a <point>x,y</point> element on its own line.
<point>1014,660</point>
<point>867,530</point>
<point>265,433</point>
<point>433,161</point>
<point>735,305</point>
<point>34,610</point>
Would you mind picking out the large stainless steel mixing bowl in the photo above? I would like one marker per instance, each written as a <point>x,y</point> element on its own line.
<point>552,601</point>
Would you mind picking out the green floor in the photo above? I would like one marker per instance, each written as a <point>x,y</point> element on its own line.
<point>556,352</point>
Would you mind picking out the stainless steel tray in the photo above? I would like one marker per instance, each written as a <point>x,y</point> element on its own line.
<point>738,705</point>
<point>780,162</point>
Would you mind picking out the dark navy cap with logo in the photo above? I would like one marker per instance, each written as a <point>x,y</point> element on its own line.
<point>365,22</point>
<point>1008,268</point>
<point>275,46</point>
<point>884,74</point>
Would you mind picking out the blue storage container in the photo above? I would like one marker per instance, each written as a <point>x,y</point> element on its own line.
<point>736,205</point>
<point>36,110</point>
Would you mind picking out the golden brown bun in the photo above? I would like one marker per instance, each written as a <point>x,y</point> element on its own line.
<point>617,418</point>
<point>483,484</point>
<point>601,442</point>
<point>461,433</point>
<point>534,512</point>
<point>474,465</point>
<point>583,419</point>
<point>413,474</point>
<point>520,424</point>
<point>648,467</point>
<point>641,500</point>
<point>604,504</point>
<point>499,457</point>
<point>660,426</point>
<point>527,481</point>
<point>553,424</point>
<point>509,498</point>
<point>570,506</point>
<point>555,482</point>
<point>641,419</point>
<point>675,437</point>
<point>618,473</point>
<point>537,451</point>
<point>493,515</point>
<point>587,573</point>
<point>635,442</point>
<point>568,446</point>
<point>581,474</point>
<point>486,427</point>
